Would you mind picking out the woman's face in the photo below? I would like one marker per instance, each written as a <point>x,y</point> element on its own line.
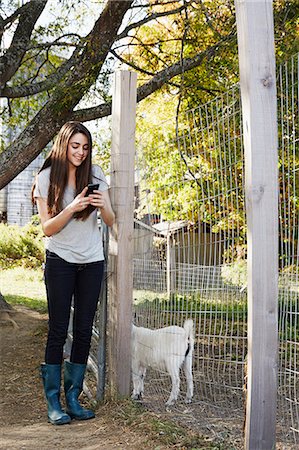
<point>77,149</point>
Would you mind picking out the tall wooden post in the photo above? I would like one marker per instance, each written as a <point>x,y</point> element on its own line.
<point>258,90</point>
<point>120,269</point>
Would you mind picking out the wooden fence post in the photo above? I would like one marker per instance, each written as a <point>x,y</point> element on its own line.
<point>120,267</point>
<point>258,91</point>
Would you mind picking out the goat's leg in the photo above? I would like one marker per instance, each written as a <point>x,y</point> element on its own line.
<point>138,375</point>
<point>189,377</point>
<point>136,390</point>
<point>142,377</point>
<point>173,370</point>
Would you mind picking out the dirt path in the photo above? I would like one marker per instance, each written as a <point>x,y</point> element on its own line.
<point>23,410</point>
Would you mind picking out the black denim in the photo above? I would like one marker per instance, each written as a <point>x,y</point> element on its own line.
<point>63,281</point>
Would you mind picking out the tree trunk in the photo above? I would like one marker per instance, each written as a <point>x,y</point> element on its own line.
<point>3,304</point>
<point>67,94</point>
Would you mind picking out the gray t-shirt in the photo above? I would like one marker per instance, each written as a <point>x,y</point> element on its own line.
<point>78,241</point>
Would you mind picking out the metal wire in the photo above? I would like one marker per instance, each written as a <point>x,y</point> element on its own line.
<point>288,126</point>
<point>186,254</point>
<point>190,257</point>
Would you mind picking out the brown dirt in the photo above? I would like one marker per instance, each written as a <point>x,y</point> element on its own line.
<point>23,416</point>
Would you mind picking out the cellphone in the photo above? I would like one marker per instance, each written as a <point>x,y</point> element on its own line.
<point>91,188</point>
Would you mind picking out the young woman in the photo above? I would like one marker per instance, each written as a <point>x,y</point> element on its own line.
<point>74,261</point>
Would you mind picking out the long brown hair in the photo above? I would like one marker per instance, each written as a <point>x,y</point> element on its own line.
<point>57,160</point>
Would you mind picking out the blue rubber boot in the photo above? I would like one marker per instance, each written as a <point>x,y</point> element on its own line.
<point>73,385</point>
<point>51,375</point>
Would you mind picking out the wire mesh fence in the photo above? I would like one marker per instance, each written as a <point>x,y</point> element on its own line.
<point>190,262</point>
<point>190,257</point>
<point>288,126</point>
<point>196,264</point>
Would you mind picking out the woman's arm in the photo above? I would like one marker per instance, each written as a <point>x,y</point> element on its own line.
<point>101,200</point>
<point>52,225</point>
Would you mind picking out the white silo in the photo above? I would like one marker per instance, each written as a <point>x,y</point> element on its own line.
<point>19,205</point>
<point>3,204</point>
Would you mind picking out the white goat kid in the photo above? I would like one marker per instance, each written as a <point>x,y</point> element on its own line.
<point>165,349</point>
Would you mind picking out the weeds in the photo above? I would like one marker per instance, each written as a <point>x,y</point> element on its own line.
<point>159,430</point>
<point>21,246</point>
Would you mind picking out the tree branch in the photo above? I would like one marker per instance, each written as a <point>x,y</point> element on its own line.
<point>57,42</point>
<point>138,69</point>
<point>76,83</point>
<point>155,55</point>
<point>54,78</point>
<point>158,3</point>
<point>208,19</point>
<point>98,43</point>
<point>148,44</point>
<point>151,86</point>
<point>12,18</point>
<point>130,64</point>
<point>15,14</point>
<point>147,19</point>
<point>66,96</point>
<point>10,61</point>
<point>51,81</point>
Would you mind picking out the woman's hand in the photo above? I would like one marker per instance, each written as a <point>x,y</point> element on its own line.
<point>52,225</point>
<point>80,202</point>
<point>101,200</point>
<point>98,199</point>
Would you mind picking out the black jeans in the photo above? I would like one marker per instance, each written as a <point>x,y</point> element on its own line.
<point>63,281</point>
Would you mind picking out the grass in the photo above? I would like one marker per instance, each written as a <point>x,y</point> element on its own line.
<point>23,286</point>
<point>37,305</point>
<point>213,303</point>
<point>160,430</point>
